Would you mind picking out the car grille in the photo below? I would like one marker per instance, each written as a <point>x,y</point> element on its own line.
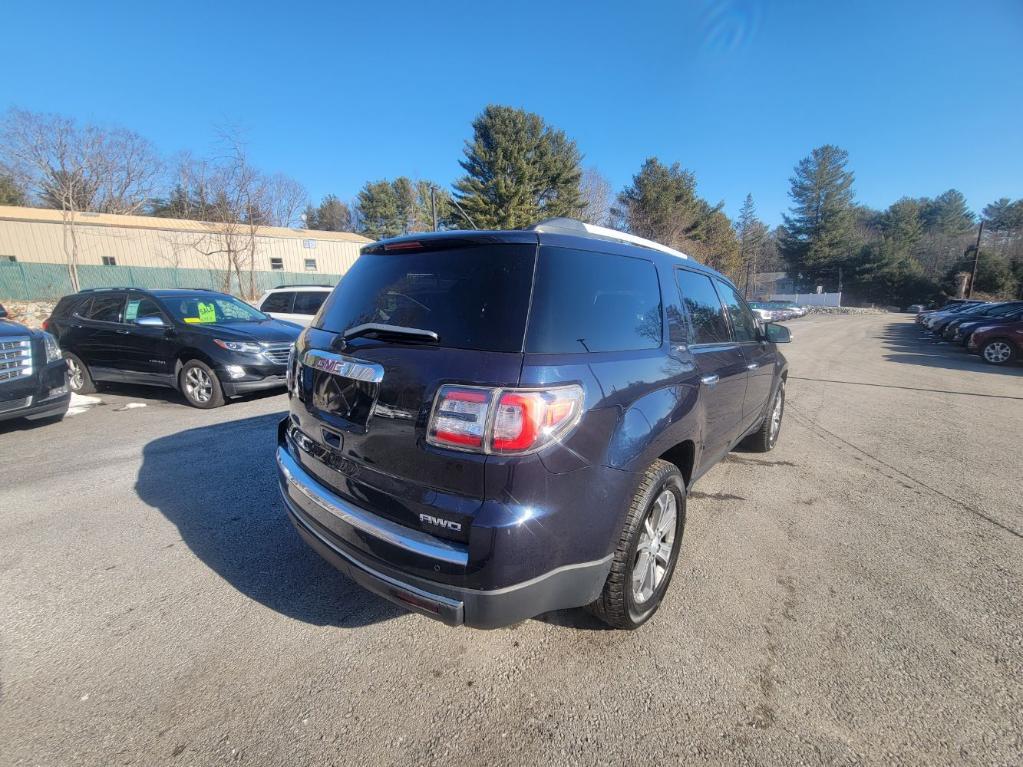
<point>277,353</point>
<point>15,358</point>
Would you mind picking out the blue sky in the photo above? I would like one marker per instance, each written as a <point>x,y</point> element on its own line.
<point>924,95</point>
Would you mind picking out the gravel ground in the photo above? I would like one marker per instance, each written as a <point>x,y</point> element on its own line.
<point>856,596</point>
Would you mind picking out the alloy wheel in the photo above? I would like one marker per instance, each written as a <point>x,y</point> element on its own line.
<point>997,352</point>
<point>653,552</point>
<point>198,385</point>
<point>74,374</point>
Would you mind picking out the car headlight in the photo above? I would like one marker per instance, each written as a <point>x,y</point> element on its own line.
<point>246,347</point>
<point>53,352</point>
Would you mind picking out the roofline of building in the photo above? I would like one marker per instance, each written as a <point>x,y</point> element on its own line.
<point>50,216</point>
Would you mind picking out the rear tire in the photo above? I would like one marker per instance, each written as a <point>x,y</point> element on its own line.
<point>998,351</point>
<point>647,550</point>
<point>765,438</point>
<point>78,378</point>
<point>200,385</point>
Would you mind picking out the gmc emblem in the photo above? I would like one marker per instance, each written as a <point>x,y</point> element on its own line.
<point>447,524</point>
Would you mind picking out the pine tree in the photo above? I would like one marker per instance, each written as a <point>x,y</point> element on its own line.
<point>661,204</point>
<point>947,214</point>
<point>820,234</point>
<point>331,215</point>
<point>519,170</point>
<point>752,234</point>
<point>392,208</point>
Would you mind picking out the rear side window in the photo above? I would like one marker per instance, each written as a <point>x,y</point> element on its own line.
<point>703,306</point>
<point>309,302</point>
<point>105,308</point>
<point>473,298</point>
<point>744,327</point>
<point>593,302</point>
<point>277,302</point>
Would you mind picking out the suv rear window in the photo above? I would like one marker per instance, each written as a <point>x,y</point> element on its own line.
<point>593,302</point>
<point>473,298</point>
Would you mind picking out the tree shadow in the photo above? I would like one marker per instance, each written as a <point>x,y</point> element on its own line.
<point>909,344</point>
<point>218,485</point>
<point>164,394</point>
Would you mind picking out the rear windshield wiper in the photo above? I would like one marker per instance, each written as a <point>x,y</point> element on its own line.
<point>396,331</point>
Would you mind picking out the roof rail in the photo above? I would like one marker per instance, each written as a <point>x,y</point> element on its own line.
<point>107,287</point>
<point>304,285</point>
<point>571,226</point>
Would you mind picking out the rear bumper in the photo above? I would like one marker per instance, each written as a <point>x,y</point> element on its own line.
<point>570,586</point>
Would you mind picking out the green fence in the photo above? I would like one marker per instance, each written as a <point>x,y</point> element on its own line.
<point>41,282</point>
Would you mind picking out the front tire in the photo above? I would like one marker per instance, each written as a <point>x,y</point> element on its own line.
<point>647,550</point>
<point>765,438</point>
<point>998,351</point>
<point>78,378</point>
<point>200,385</point>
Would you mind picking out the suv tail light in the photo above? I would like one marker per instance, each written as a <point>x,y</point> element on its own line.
<point>504,421</point>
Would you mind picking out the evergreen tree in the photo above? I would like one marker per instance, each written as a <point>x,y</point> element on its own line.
<point>331,215</point>
<point>752,235</point>
<point>661,204</point>
<point>11,193</point>
<point>392,208</point>
<point>947,214</point>
<point>820,233</point>
<point>519,170</point>
<point>178,205</point>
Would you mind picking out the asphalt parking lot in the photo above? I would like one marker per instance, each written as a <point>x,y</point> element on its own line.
<point>855,596</point>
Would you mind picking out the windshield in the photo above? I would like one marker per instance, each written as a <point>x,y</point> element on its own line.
<point>210,309</point>
<point>472,298</point>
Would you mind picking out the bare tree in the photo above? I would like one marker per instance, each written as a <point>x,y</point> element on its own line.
<point>597,197</point>
<point>236,200</point>
<point>77,168</point>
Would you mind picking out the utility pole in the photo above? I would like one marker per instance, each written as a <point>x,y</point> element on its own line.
<point>433,205</point>
<point>976,258</point>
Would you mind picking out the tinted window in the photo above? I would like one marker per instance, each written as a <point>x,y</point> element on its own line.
<point>744,327</point>
<point>278,302</point>
<point>593,302</point>
<point>309,302</point>
<point>704,308</point>
<point>208,308</point>
<point>105,308</point>
<point>473,298</point>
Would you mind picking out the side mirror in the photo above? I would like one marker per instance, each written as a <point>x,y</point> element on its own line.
<point>152,321</point>
<point>777,334</point>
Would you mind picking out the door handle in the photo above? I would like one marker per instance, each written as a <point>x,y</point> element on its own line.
<point>710,380</point>
<point>123,332</point>
<point>752,366</point>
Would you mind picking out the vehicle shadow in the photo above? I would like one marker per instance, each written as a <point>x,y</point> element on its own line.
<point>909,344</point>
<point>218,485</point>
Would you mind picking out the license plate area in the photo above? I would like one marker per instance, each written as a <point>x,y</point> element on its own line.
<point>343,390</point>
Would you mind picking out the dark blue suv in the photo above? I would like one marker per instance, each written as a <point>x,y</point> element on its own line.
<point>486,426</point>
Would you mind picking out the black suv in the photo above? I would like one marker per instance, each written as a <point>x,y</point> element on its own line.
<point>207,345</point>
<point>486,426</point>
<point>33,377</point>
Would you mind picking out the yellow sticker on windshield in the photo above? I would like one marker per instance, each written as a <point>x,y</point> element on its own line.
<point>207,312</point>
<point>192,320</point>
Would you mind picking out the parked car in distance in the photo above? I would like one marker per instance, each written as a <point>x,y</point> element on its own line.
<point>951,305</point>
<point>960,327</point>
<point>938,322</point>
<point>294,303</point>
<point>761,310</point>
<point>788,306</point>
<point>486,426</point>
<point>207,345</point>
<point>997,344</point>
<point>929,318</point>
<point>915,308</point>
<point>33,376</point>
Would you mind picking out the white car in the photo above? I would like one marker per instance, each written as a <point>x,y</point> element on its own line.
<point>294,303</point>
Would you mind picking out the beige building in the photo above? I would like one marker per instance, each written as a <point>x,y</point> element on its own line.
<point>36,236</point>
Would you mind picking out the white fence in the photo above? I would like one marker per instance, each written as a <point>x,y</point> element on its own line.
<point>810,299</point>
